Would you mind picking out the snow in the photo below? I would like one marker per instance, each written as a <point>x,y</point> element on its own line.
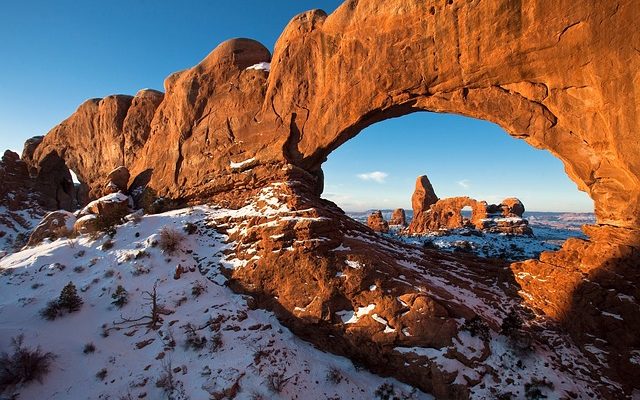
<point>350,317</point>
<point>241,164</point>
<point>353,264</point>
<point>262,66</point>
<point>612,315</point>
<point>253,344</point>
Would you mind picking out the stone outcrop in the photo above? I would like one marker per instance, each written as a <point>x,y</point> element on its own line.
<point>21,203</point>
<point>512,207</point>
<point>398,218</point>
<point>431,214</point>
<point>377,222</point>
<point>423,196</point>
<point>446,214</point>
<point>117,180</point>
<point>54,225</point>
<point>113,207</point>
<point>223,131</point>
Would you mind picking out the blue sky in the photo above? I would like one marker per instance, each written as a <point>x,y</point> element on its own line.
<point>56,54</point>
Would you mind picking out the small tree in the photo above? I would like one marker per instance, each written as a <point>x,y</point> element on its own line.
<point>120,297</point>
<point>69,298</point>
<point>477,327</point>
<point>512,323</point>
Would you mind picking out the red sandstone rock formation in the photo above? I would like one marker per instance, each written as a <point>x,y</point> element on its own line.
<point>423,195</point>
<point>446,214</point>
<point>222,131</point>
<point>377,222</point>
<point>20,201</point>
<point>512,207</point>
<point>54,225</point>
<point>398,218</point>
<point>117,180</point>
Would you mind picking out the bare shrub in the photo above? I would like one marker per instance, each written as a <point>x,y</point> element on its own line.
<point>120,297</point>
<point>216,342</point>
<point>101,374</point>
<point>190,228</point>
<point>166,380</point>
<point>51,311</point>
<point>89,348</point>
<point>198,288</point>
<point>276,381</point>
<point>107,223</point>
<point>334,375</point>
<point>193,340</point>
<point>170,240</point>
<point>533,389</point>
<point>24,365</point>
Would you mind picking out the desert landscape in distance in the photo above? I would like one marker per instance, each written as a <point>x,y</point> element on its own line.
<point>393,199</point>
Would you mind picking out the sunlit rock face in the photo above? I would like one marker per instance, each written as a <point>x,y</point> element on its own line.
<point>225,128</point>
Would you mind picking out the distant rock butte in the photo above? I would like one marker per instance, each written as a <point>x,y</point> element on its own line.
<point>561,78</point>
<point>398,218</point>
<point>423,196</point>
<point>377,222</point>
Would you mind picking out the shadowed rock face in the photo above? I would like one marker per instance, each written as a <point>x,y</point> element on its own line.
<point>561,76</point>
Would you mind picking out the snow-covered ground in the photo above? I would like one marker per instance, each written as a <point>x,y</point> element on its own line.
<point>246,352</point>
<point>550,230</point>
<point>16,226</point>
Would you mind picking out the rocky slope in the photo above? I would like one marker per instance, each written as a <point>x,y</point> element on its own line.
<point>399,310</point>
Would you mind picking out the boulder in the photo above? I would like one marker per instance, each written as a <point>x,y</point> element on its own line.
<point>107,210</point>
<point>398,218</point>
<point>377,222</point>
<point>512,207</point>
<point>117,180</point>
<point>86,224</point>
<point>54,225</point>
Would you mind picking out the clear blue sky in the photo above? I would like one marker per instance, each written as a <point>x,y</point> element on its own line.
<point>56,54</point>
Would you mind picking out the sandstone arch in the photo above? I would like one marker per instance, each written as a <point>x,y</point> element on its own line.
<point>553,81</point>
<point>560,75</point>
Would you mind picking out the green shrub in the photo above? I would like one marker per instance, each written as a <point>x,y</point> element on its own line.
<point>69,298</point>
<point>120,297</point>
